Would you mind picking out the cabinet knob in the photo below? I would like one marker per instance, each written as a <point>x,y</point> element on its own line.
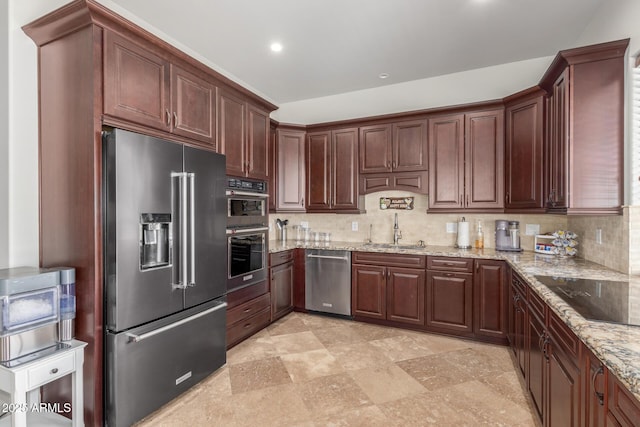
<point>394,165</point>
<point>168,117</point>
<point>302,202</point>
<point>175,119</point>
<point>54,371</point>
<point>388,164</point>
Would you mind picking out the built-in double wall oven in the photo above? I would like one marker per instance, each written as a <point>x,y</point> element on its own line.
<point>247,232</point>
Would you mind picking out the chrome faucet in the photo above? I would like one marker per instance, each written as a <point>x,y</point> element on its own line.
<point>397,234</point>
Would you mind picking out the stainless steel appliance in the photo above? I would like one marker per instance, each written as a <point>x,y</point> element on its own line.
<point>247,232</point>
<point>508,235</point>
<point>165,271</point>
<point>328,281</point>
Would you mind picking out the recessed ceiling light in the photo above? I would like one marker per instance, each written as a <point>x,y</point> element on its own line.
<point>383,75</point>
<point>276,47</point>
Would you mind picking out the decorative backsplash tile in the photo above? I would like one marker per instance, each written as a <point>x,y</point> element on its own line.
<point>620,248</point>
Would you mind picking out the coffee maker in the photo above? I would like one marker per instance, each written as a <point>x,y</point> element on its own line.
<point>508,235</point>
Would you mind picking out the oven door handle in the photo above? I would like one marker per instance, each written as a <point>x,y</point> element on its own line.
<point>246,230</point>
<point>246,193</point>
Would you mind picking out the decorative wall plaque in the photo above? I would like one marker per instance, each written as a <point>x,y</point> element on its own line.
<point>405,203</point>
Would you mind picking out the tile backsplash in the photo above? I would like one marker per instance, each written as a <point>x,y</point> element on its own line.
<point>415,224</point>
<point>619,250</point>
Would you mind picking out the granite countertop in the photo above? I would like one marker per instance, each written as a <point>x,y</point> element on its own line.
<point>617,346</point>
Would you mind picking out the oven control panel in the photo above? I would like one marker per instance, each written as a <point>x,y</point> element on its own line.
<point>247,185</point>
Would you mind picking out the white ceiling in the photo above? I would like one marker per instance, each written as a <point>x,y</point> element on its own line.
<point>337,46</point>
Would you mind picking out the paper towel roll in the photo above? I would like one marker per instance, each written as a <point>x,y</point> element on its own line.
<point>463,235</point>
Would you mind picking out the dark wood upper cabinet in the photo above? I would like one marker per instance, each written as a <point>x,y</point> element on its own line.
<point>409,145</point>
<point>394,147</point>
<point>446,162</point>
<point>244,136</point>
<point>318,171</point>
<point>143,88</point>
<point>289,159</point>
<point>375,149</point>
<point>257,143</point>
<point>466,155</point>
<point>193,102</point>
<point>524,166</point>
<point>136,83</point>
<point>232,128</point>
<point>332,171</point>
<point>484,160</point>
<point>585,129</point>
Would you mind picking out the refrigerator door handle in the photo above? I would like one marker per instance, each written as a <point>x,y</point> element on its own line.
<point>138,338</point>
<point>182,226</point>
<point>192,228</point>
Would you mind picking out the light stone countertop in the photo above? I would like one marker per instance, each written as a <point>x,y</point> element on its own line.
<point>617,346</point>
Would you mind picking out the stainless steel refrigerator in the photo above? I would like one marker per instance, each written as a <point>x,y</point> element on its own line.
<point>165,271</point>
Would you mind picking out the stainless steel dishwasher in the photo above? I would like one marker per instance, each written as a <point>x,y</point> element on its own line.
<point>328,281</point>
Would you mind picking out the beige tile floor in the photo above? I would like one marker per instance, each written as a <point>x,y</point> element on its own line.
<point>310,370</point>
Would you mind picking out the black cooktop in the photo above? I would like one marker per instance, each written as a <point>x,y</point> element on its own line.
<point>601,300</point>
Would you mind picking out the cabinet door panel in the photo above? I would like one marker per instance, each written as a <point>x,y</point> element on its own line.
<point>446,161</point>
<point>490,299</point>
<point>318,170</point>
<point>375,149</point>
<point>410,146</point>
<point>345,169</point>
<point>563,390</point>
<point>535,372</point>
<point>136,83</point>
<point>448,301</point>
<point>524,153</point>
<point>193,104</point>
<point>257,143</point>
<point>594,378</point>
<point>281,290</point>
<point>484,160</point>
<point>405,295</point>
<point>557,146</point>
<point>290,164</point>
<point>232,133</point>
<point>368,292</point>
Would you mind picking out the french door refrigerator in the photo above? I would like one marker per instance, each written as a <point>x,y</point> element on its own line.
<point>165,271</point>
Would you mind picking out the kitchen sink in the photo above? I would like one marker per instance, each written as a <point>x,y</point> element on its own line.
<point>392,246</point>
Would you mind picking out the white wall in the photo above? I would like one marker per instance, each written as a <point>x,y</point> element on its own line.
<point>4,135</point>
<point>483,84</point>
<point>23,132</point>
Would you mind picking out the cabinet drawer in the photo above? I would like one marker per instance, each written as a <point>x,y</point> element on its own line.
<point>280,258</point>
<point>52,370</point>
<point>564,337</point>
<point>463,265</point>
<point>536,305</point>
<point>391,260</point>
<point>518,283</point>
<point>248,327</point>
<point>248,309</point>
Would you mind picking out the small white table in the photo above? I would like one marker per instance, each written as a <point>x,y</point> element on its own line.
<point>23,384</point>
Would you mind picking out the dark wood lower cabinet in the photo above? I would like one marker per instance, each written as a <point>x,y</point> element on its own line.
<point>536,362</point>
<point>594,389</point>
<point>248,311</point>
<point>383,289</point>
<point>449,302</point>
<point>405,295</point>
<point>490,300</point>
<point>368,298</point>
<point>282,279</point>
<point>623,409</point>
<point>517,321</point>
<point>562,354</point>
